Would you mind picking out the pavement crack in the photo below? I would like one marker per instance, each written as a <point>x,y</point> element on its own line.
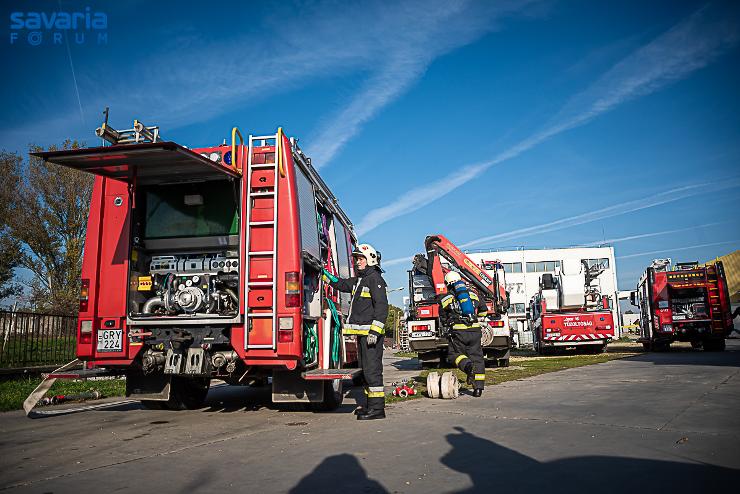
<point>699,399</point>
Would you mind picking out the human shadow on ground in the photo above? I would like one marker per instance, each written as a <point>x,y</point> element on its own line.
<point>490,465</point>
<point>339,473</point>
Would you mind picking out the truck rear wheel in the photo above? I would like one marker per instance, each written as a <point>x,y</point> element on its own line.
<point>714,345</point>
<point>333,397</point>
<point>187,393</point>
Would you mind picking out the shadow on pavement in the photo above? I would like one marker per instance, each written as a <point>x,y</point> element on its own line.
<point>340,473</point>
<point>689,356</point>
<point>490,465</point>
<point>408,364</point>
<point>229,399</point>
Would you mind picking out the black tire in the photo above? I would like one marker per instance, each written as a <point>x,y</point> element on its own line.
<point>333,397</point>
<point>714,345</point>
<point>187,393</point>
<point>647,346</point>
<point>697,344</point>
<point>503,362</point>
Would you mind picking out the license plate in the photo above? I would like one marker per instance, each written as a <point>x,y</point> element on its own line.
<point>110,340</point>
<point>422,334</point>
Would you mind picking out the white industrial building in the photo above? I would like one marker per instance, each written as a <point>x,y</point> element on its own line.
<point>525,266</point>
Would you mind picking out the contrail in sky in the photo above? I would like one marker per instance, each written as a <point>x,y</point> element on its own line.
<point>688,46</point>
<point>678,249</point>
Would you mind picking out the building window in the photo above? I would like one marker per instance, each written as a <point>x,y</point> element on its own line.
<point>542,266</point>
<point>602,263</point>
<point>516,309</point>
<point>512,267</point>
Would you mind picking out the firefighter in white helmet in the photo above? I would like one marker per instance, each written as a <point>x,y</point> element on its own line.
<point>368,311</point>
<point>461,309</point>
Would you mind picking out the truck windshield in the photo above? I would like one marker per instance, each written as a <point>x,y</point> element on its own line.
<point>191,210</point>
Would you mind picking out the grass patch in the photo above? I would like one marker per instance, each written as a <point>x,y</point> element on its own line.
<point>524,367</point>
<point>406,354</point>
<point>396,399</point>
<point>14,391</point>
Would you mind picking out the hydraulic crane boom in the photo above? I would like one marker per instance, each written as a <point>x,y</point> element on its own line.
<point>439,245</point>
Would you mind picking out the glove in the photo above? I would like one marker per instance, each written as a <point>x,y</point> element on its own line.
<point>328,277</point>
<point>372,339</point>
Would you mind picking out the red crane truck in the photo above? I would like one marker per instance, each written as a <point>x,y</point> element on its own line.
<point>570,311</point>
<point>205,263</point>
<point>426,285</point>
<point>686,302</point>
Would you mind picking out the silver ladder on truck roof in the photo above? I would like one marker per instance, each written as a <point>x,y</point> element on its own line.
<point>254,191</point>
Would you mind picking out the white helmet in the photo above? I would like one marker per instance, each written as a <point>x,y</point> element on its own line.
<point>368,252</point>
<point>452,277</point>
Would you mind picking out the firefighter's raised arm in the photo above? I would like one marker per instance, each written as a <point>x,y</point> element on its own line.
<point>341,284</point>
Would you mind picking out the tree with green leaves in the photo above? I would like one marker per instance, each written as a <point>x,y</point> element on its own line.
<point>46,219</point>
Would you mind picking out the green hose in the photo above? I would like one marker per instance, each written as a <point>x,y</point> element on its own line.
<point>309,336</point>
<point>337,332</point>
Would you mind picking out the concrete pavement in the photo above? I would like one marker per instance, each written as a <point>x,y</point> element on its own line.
<point>655,421</point>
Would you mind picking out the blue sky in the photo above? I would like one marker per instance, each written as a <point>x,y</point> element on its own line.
<point>527,123</point>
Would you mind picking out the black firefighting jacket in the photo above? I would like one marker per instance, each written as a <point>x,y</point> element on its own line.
<point>368,308</point>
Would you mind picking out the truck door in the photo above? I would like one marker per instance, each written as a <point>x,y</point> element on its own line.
<point>645,296</point>
<point>145,164</point>
<point>122,170</point>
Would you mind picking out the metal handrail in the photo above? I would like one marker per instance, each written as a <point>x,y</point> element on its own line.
<point>279,151</point>
<point>234,133</point>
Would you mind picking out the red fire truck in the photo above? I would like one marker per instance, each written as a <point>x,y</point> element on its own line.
<point>570,311</point>
<point>205,263</point>
<point>686,302</point>
<point>426,285</point>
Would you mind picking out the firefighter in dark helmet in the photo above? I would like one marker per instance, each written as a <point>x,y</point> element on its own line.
<point>461,309</point>
<point>368,311</point>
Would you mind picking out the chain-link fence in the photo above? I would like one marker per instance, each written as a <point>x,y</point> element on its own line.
<point>34,340</point>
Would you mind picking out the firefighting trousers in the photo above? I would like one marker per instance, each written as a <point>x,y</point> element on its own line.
<point>371,361</point>
<point>466,353</point>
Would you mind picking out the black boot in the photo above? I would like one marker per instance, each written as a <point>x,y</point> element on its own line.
<point>360,411</point>
<point>372,415</point>
<point>469,371</point>
<point>477,392</point>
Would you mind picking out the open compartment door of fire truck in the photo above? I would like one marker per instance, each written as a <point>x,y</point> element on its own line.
<point>176,236</point>
<point>141,164</point>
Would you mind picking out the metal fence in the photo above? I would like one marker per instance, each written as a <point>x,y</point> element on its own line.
<point>33,340</point>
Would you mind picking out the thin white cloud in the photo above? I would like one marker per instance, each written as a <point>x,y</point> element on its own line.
<point>434,31</point>
<point>653,200</point>
<point>392,44</point>
<point>399,260</point>
<point>678,249</point>
<point>649,235</point>
<point>690,45</point>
